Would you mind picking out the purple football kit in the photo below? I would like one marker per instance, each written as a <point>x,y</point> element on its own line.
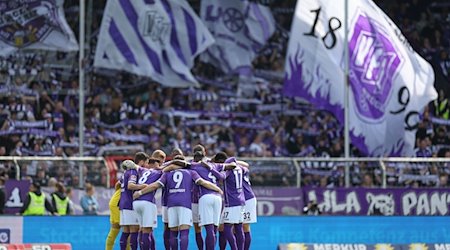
<point>233,191</point>
<point>178,185</point>
<point>233,212</point>
<point>148,176</point>
<point>126,195</point>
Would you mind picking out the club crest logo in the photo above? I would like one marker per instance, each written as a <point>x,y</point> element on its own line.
<point>156,26</point>
<point>233,19</point>
<point>374,62</point>
<point>22,24</point>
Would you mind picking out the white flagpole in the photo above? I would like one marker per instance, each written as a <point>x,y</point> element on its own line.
<point>347,95</point>
<point>81,87</point>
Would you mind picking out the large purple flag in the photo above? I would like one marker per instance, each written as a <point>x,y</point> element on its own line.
<point>154,38</point>
<point>390,83</point>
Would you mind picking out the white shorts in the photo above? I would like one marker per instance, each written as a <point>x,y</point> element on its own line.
<point>179,216</point>
<point>232,215</point>
<point>128,217</point>
<point>250,214</point>
<point>146,212</point>
<point>195,213</point>
<point>164,214</point>
<point>209,207</point>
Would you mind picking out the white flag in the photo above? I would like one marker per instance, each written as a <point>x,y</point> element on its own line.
<point>34,24</point>
<point>240,29</point>
<point>154,38</point>
<point>390,84</point>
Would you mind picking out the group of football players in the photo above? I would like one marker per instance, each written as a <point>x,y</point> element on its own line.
<point>210,193</point>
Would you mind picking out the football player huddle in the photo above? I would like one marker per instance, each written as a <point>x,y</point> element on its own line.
<point>211,193</point>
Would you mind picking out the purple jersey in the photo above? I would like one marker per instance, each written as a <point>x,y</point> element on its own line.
<point>211,175</point>
<point>126,195</point>
<point>232,185</point>
<point>195,191</point>
<point>163,192</point>
<point>178,184</point>
<point>148,176</point>
<point>246,185</point>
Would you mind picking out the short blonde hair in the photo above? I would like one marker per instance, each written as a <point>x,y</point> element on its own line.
<point>159,154</point>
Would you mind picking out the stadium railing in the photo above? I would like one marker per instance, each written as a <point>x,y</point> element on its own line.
<point>277,171</point>
<point>76,170</point>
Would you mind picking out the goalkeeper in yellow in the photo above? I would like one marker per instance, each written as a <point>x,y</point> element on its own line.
<point>114,216</point>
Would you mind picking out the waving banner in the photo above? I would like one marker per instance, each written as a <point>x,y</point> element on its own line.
<point>240,29</point>
<point>154,38</point>
<point>34,24</point>
<point>390,83</point>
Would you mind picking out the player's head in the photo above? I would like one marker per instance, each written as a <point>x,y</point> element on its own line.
<point>141,159</point>
<point>199,148</point>
<point>220,157</point>
<point>175,152</point>
<point>198,156</point>
<point>158,157</point>
<point>179,157</point>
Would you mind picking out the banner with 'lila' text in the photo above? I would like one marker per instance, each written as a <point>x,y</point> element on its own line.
<point>290,200</point>
<point>378,201</point>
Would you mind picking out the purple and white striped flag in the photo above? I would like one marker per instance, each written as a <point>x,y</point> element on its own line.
<point>154,38</point>
<point>240,28</point>
<point>390,83</point>
<point>34,24</point>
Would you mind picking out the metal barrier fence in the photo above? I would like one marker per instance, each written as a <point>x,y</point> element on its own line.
<point>72,171</point>
<point>298,172</point>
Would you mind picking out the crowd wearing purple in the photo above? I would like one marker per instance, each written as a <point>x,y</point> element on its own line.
<point>39,104</point>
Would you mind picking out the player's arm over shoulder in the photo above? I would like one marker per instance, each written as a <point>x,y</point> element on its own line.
<point>243,163</point>
<point>175,166</point>
<point>209,185</point>
<point>132,185</point>
<point>149,188</point>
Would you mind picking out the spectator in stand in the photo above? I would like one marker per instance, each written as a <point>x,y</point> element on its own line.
<point>367,181</point>
<point>424,150</point>
<point>443,180</point>
<point>441,106</point>
<point>41,177</point>
<point>39,91</point>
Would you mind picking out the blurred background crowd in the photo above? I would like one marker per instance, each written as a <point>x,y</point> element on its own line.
<point>243,117</point>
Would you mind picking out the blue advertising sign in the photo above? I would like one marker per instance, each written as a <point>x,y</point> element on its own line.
<point>89,232</point>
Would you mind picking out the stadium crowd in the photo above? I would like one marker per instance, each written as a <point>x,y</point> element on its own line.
<point>250,118</point>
